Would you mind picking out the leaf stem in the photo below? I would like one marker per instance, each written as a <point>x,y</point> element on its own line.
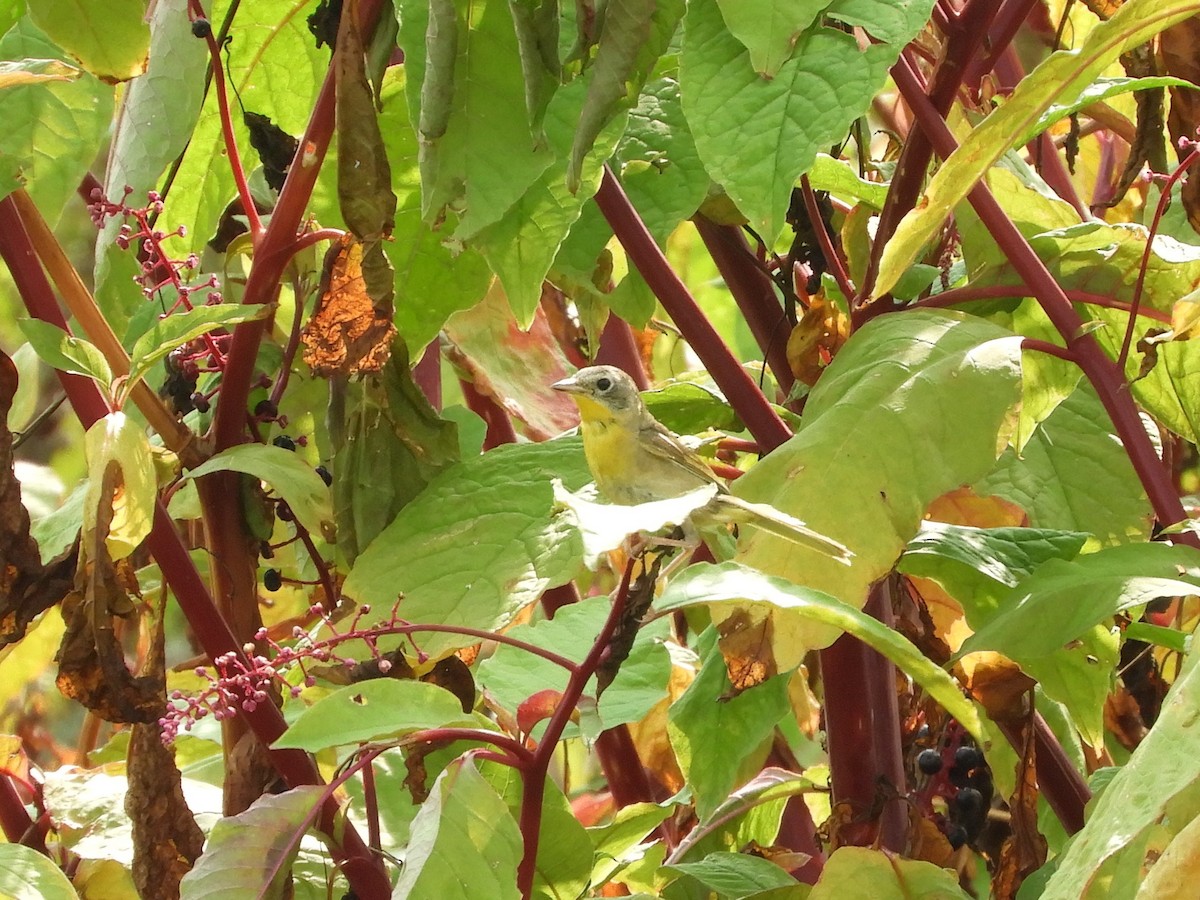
<point>972,292</point>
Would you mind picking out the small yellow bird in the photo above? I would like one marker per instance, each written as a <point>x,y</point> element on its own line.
<point>635,459</point>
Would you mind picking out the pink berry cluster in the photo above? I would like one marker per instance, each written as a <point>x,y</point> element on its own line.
<point>243,681</point>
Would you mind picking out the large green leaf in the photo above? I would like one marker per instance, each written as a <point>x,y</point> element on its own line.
<point>878,874</point>
<point>110,40</point>
<point>52,129</point>
<point>522,243</point>
<point>757,596</point>
<point>276,68</point>
<point>432,280</point>
<point>1064,598</point>
<point>251,854</point>
<point>478,155</point>
<point>478,545</point>
<point>1065,73</point>
<point>1073,475</point>
<point>465,843</point>
<point>65,352</point>
<point>294,480</point>
<point>26,874</point>
<point>721,736</point>
<point>736,875</point>
<point>913,405</point>
<point>1148,803</point>
<point>780,123</point>
<point>377,710</point>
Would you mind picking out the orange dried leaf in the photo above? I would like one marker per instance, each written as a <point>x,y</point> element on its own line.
<point>347,334</point>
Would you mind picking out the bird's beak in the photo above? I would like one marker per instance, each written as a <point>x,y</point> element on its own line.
<point>568,386</point>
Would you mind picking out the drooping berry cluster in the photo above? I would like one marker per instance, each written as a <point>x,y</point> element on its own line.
<point>243,681</point>
<point>957,793</point>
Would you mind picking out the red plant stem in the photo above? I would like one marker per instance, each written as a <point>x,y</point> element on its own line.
<point>965,35</point>
<point>1064,789</point>
<point>325,579</point>
<point>1163,201</point>
<point>500,429</point>
<point>509,745</point>
<point>1101,371</point>
<point>415,628</point>
<point>862,722</point>
<point>534,780</point>
<point>618,348</point>
<point>556,598</point>
<point>231,148</point>
<point>18,827</point>
<point>1048,348</point>
<point>754,293</point>
<point>832,258</point>
<point>628,780</point>
<point>1007,21</point>
<point>971,292</point>
<point>762,421</point>
<point>371,801</point>
<point>427,374</point>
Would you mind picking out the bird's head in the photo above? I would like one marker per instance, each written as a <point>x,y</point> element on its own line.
<point>603,394</point>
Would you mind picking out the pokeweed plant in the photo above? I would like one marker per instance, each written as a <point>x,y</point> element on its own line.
<point>339,609</point>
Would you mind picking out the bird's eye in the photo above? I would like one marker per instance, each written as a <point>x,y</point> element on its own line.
<point>604,384</point>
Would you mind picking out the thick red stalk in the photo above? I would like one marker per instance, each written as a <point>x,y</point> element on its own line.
<point>619,348</point>
<point>737,385</point>
<point>754,293</point>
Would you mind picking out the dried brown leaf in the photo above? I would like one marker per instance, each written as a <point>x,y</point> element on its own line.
<point>746,645</point>
<point>347,335</point>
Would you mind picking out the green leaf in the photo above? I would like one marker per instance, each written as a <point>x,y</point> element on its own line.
<point>620,840</point>
<point>180,327</point>
<point>26,874</point>
<point>769,30</point>
<point>928,396</point>
<point>110,40</point>
<point>735,875</point>
<point>1099,90</point>
<point>690,407</point>
<point>10,12</point>
<point>289,476</point>
<point>634,34</point>
<point>396,444</point>
<point>379,710</point>
<point>512,675</point>
<point>118,440</point>
<point>251,854</point>
<point>477,153</point>
<point>878,874</point>
<point>1064,598</point>
<point>464,844</point>
<point>1170,638</point>
<point>839,178</point>
<point>780,123</point>
<point>1064,73</point>
<point>432,280</point>
<point>720,736</point>
<point>1074,476</point>
<point>478,545</point>
<point>522,243</point>
<point>53,129</point>
<point>977,565</point>
<point>61,351</point>
<point>536,24</point>
<point>759,596</point>
<point>1148,802</point>
<point>892,21</point>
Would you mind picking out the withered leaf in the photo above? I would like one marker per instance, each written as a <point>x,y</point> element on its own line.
<point>1024,852</point>
<point>274,146</point>
<point>91,661</point>
<point>27,588</point>
<point>347,334</point>
<point>746,646</point>
<point>323,23</point>
<point>365,194</point>
<point>1177,47</point>
<point>166,838</point>
<point>818,335</point>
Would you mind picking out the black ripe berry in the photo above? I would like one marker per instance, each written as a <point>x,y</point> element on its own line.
<point>284,512</point>
<point>967,758</point>
<point>929,762</point>
<point>272,580</point>
<point>326,475</point>
<point>957,836</point>
<point>200,402</point>
<point>265,409</point>
<point>265,550</point>
<point>284,442</point>
<point>201,28</point>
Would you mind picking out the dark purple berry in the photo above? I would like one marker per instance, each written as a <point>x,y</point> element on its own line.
<point>957,836</point>
<point>284,442</point>
<point>326,475</point>
<point>265,550</point>
<point>200,402</point>
<point>265,409</point>
<point>929,762</point>
<point>967,758</point>
<point>284,512</point>
<point>201,28</point>
<point>272,580</point>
